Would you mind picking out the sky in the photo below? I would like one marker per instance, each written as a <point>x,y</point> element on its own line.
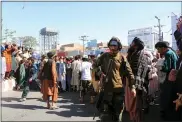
<point>98,20</point>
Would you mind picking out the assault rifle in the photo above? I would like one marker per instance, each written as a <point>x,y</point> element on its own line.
<point>104,81</point>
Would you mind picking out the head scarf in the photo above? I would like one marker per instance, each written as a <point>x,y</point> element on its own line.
<point>115,41</point>
<point>162,44</point>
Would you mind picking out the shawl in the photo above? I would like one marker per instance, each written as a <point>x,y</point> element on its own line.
<point>142,71</point>
<point>33,72</point>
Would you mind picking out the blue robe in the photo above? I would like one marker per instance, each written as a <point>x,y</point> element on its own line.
<point>62,75</point>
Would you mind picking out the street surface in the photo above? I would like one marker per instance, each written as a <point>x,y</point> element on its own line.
<point>69,109</point>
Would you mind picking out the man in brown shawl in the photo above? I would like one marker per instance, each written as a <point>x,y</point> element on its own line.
<point>49,83</point>
<point>138,62</point>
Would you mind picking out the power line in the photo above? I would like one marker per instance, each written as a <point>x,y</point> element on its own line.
<point>168,31</point>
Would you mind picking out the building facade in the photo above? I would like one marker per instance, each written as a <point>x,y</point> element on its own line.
<point>148,35</point>
<point>101,45</point>
<point>92,43</point>
<point>71,47</point>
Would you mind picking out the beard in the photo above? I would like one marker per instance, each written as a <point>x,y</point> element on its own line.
<point>131,49</point>
<point>114,52</point>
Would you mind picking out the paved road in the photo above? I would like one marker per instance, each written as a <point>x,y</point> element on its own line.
<point>70,109</point>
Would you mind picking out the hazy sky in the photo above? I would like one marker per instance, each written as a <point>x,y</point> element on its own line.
<point>98,20</point>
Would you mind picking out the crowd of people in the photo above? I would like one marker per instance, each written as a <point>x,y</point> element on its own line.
<point>20,64</point>
<point>129,83</point>
<point>137,80</point>
<point>11,55</point>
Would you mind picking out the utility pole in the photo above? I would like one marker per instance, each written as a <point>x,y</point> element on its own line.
<point>160,30</point>
<point>83,38</point>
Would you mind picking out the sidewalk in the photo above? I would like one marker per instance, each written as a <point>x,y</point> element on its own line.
<point>8,85</point>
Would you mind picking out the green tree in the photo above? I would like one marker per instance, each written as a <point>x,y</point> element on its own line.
<point>8,35</point>
<point>14,40</point>
<point>29,41</point>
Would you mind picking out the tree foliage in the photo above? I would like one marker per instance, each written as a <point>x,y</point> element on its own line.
<point>8,35</point>
<point>28,41</point>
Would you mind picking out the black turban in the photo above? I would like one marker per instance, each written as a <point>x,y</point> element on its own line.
<point>162,44</point>
<point>51,54</point>
<point>138,42</point>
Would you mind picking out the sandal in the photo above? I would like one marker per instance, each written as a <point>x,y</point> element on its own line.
<point>49,106</point>
<point>54,107</point>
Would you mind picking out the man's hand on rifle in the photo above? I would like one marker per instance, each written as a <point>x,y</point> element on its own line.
<point>178,101</point>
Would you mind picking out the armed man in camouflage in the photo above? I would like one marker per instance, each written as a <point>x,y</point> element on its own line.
<point>113,97</point>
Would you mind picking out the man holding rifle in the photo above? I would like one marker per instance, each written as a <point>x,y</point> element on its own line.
<point>113,67</point>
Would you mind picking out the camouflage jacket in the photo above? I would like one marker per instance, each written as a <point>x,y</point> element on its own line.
<point>119,69</point>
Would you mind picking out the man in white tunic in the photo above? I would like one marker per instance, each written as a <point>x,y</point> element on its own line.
<point>86,78</point>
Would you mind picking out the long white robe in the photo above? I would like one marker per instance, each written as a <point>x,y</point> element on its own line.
<point>76,65</point>
<point>3,67</point>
